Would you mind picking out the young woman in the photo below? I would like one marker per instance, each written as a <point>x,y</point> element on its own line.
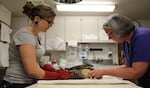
<point>25,50</point>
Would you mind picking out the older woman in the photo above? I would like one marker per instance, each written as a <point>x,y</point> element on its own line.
<point>136,47</point>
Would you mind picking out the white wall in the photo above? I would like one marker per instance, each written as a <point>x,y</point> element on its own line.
<point>18,22</point>
<point>144,23</point>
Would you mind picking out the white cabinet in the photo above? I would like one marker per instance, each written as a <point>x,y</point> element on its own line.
<point>57,30</point>
<point>90,28</point>
<point>73,28</point>
<point>78,28</point>
<point>102,35</point>
<point>4,57</point>
<point>5,14</point>
<point>5,33</point>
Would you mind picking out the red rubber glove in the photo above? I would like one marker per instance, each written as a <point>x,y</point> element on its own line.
<point>51,75</point>
<point>48,67</point>
<point>64,74</point>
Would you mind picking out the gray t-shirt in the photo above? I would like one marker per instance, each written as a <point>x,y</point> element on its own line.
<point>15,72</point>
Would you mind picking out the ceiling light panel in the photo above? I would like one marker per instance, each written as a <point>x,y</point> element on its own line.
<point>86,7</point>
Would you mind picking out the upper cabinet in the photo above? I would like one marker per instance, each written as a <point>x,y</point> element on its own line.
<point>73,28</point>
<point>78,28</point>
<point>55,36</point>
<point>57,30</point>
<point>101,33</point>
<point>89,28</point>
<point>5,14</point>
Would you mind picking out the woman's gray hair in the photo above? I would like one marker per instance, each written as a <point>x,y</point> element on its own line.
<point>120,25</point>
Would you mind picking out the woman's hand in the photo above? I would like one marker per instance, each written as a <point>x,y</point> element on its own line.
<point>65,74</point>
<point>58,75</point>
<point>48,67</point>
<point>97,73</point>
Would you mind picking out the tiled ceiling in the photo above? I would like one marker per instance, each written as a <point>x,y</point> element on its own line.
<point>136,9</point>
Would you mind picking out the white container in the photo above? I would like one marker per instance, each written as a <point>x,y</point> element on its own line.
<point>83,50</point>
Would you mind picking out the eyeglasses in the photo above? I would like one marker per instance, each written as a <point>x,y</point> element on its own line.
<point>49,22</point>
<point>110,33</point>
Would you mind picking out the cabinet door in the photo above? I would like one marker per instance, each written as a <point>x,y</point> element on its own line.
<point>73,28</point>
<point>102,35</point>
<point>5,14</point>
<point>57,30</point>
<point>89,28</point>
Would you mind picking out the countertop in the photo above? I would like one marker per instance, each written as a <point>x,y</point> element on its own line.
<point>85,83</point>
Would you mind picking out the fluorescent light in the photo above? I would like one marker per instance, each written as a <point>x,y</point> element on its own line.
<point>85,7</point>
<point>105,2</point>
